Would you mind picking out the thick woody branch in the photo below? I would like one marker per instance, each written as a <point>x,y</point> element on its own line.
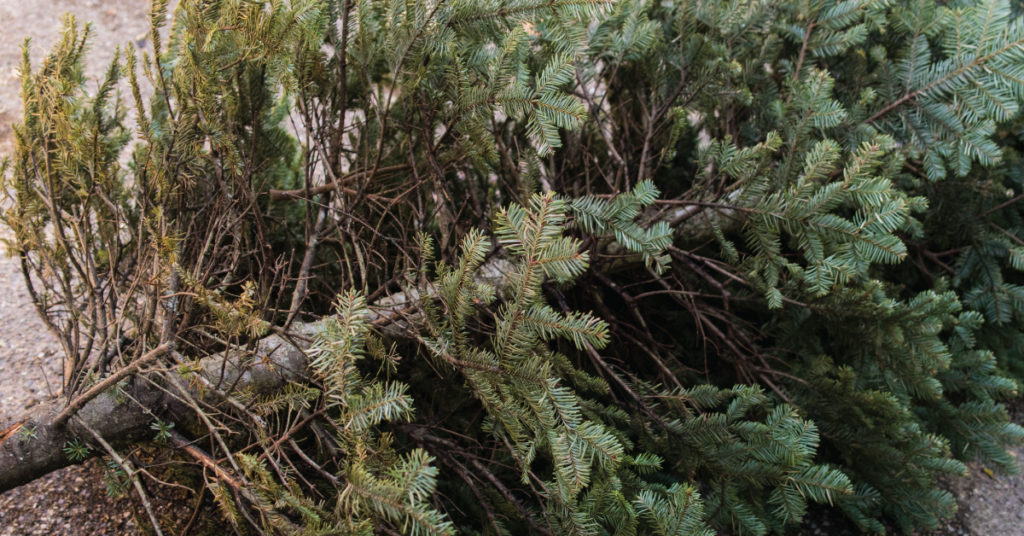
<point>107,382</point>
<point>33,445</point>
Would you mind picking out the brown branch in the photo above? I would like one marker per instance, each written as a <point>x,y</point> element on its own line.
<point>180,442</point>
<point>127,467</point>
<point>803,52</point>
<point>959,71</point>
<point>1004,204</point>
<point>27,456</point>
<point>107,382</point>
<point>11,430</point>
<point>303,193</point>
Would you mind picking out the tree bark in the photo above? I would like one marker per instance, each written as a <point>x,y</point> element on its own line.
<point>33,445</point>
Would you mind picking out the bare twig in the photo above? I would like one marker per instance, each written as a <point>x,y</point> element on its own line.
<point>107,382</point>
<point>127,467</point>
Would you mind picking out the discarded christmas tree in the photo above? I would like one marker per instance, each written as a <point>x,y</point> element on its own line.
<point>559,267</point>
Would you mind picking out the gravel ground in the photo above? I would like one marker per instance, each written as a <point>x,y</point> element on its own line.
<point>73,501</point>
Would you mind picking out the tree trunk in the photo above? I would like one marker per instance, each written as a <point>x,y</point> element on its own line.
<point>33,445</point>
